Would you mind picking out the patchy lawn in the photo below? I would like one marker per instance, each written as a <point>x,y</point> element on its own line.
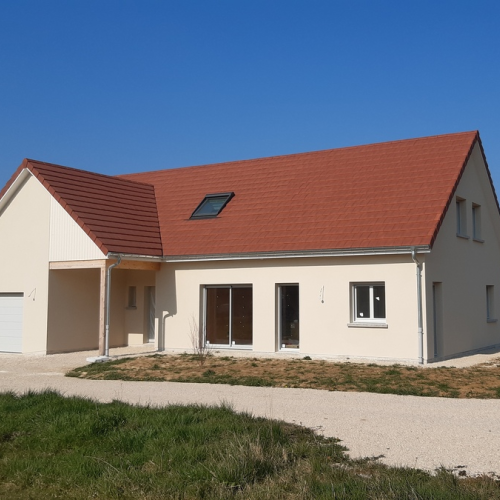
<point>73,448</point>
<point>481,381</point>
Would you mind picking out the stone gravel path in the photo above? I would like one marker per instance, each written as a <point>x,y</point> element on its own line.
<point>427,433</point>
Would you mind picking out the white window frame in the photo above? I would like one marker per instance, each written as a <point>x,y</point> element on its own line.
<point>280,318</point>
<point>232,344</point>
<point>370,320</point>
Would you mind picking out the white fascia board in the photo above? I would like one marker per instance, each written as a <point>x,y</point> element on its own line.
<point>351,252</point>
<point>18,182</point>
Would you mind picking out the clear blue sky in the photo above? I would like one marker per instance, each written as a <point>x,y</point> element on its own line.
<point>124,86</point>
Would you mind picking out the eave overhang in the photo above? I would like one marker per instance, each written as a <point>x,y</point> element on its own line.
<point>349,252</point>
<point>14,186</point>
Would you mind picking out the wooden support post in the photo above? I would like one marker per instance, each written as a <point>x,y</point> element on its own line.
<point>102,309</point>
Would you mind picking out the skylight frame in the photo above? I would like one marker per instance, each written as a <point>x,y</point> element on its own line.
<point>228,196</point>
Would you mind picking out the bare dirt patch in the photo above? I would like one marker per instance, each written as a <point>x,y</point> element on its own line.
<point>481,381</point>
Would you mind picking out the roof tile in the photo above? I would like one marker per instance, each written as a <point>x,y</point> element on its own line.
<point>387,194</point>
<point>380,195</point>
<point>119,214</point>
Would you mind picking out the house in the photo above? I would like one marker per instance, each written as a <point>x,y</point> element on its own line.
<point>385,251</point>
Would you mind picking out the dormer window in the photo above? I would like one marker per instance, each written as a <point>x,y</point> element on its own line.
<point>212,205</point>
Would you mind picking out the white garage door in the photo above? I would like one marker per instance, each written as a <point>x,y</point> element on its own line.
<point>11,322</point>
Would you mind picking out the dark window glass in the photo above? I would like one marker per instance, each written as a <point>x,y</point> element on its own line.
<point>217,321</point>
<point>379,301</point>
<point>229,316</point>
<point>212,205</point>
<point>289,309</point>
<point>241,320</point>
<point>363,302</point>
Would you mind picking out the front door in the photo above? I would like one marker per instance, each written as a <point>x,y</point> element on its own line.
<point>289,326</point>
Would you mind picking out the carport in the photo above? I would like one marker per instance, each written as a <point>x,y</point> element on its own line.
<point>77,304</point>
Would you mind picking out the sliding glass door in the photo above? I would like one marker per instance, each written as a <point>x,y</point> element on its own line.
<point>228,315</point>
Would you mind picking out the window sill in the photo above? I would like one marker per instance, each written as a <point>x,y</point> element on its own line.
<point>479,240</point>
<point>464,236</point>
<point>491,320</point>
<point>367,325</point>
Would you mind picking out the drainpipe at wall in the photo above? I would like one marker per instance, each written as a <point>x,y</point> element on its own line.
<point>108,308</point>
<point>419,307</point>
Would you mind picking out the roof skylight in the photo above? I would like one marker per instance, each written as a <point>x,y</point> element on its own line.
<point>212,205</point>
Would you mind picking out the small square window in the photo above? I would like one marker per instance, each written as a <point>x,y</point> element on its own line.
<point>132,297</point>
<point>369,303</point>
<point>212,205</point>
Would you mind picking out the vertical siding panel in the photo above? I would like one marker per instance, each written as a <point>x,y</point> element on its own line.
<point>68,241</point>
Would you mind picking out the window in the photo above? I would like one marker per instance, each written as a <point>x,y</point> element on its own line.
<point>211,206</point>
<point>228,315</point>
<point>476,222</point>
<point>437,306</point>
<point>461,218</point>
<point>150,312</point>
<point>289,331</point>
<point>132,297</point>
<point>368,303</point>
<point>490,304</point>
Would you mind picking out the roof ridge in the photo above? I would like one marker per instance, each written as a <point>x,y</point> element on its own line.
<point>65,167</point>
<point>288,155</point>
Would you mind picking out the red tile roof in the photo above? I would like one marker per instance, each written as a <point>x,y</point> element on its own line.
<point>392,194</point>
<point>118,214</point>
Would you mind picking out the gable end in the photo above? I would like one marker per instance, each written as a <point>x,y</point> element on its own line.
<point>476,139</point>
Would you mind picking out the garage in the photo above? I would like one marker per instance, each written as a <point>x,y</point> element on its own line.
<point>11,322</point>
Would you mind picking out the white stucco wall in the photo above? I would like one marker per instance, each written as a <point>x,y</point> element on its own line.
<point>24,257</point>
<point>464,267</point>
<point>68,241</point>
<point>324,327</point>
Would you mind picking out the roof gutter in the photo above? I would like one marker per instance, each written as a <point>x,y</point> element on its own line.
<point>419,307</point>
<point>351,252</point>
<point>133,256</point>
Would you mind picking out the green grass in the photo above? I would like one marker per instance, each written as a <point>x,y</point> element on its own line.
<point>55,447</point>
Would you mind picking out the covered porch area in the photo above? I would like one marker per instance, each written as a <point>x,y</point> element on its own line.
<point>77,302</point>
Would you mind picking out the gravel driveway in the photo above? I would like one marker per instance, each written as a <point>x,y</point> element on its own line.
<point>459,434</point>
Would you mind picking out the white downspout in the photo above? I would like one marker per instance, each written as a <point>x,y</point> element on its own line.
<point>419,307</point>
<point>108,308</point>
